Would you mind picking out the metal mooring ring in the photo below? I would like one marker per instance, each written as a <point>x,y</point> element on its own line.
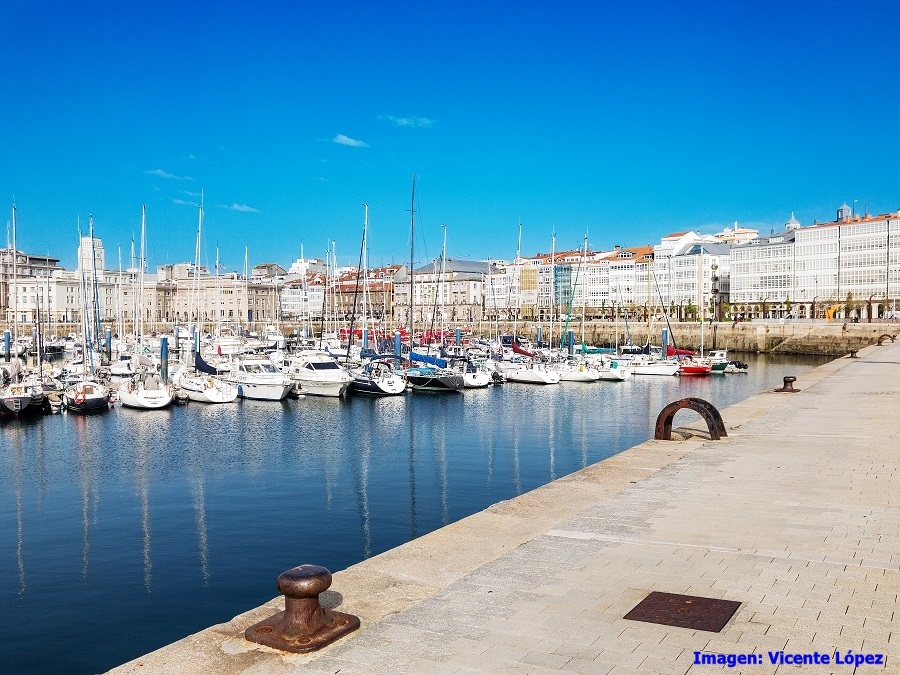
<point>706,409</point>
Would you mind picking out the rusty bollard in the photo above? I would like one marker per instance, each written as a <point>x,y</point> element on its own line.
<point>304,625</point>
<point>788,387</point>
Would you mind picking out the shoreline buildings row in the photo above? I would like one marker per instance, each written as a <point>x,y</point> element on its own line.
<point>849,267</point>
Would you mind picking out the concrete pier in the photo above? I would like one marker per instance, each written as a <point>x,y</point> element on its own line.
<point>796,515</point>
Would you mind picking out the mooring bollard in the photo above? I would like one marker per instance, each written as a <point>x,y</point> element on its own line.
<point>707,411</point>
<point>788,386</point>
<point>304,625</point>
<point>852,354</point>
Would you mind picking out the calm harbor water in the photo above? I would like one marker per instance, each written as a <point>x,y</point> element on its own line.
<point>125,531</point>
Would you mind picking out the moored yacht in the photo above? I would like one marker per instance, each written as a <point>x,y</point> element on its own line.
<point>319,374</point>
<point>377,378</point>
<point>256,377</point>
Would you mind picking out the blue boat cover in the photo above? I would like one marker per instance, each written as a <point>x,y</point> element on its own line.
<point>424,358</point>
<point>203,366</point>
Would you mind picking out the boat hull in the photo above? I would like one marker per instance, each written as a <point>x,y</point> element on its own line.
<point>16,405</point>
<point>334,389</point>
<point>86,403</point>
<point>436,382</point>
<point>532,376</point>
<point>698,370</point>
<point>667,369</point>
<point>476,380</point>
<point>263,392</point>
<point>208,390</point>
<point>378,386</point>
<point>145,399</point>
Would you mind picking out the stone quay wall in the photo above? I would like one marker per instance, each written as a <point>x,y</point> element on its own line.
<point>796,337</point>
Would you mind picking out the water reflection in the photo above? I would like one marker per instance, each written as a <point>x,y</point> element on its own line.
<point>210,503</point>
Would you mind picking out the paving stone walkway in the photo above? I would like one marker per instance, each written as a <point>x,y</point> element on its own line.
<point>796,515</point>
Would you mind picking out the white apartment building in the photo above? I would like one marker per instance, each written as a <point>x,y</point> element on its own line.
<point>681,274</point>
<point>809,271</point>
<point>452,290</point>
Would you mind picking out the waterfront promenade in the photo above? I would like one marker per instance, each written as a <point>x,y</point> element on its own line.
<point>796,515</point>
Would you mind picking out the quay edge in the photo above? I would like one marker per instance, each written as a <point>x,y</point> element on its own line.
<point>401,578</point>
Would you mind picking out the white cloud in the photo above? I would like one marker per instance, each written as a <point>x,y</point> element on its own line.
<point>417,122</point>
<point>340,139</point>
<point>165,174</point>
<point>190,194</point>
<point>243,208</point>
<point>183,202</point>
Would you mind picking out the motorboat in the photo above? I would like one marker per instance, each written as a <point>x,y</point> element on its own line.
<point>377,378</point>
<point>736,367</point>
<point>717,360</point>
<point>692,367</point>
<point>256,377</point>
<point>319,374</point>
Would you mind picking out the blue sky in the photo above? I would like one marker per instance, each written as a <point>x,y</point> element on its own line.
<point>625,120</point>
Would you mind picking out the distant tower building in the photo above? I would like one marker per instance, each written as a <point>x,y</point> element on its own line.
<point>844,213</point>
<point>792,224</point>
<point>90,257</point>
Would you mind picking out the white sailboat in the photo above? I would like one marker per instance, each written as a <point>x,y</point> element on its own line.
<point>144,390</point>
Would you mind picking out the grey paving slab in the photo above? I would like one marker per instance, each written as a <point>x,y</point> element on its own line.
<point>796,515</point>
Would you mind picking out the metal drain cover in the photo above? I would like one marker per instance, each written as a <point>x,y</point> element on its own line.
<point>684,611</point>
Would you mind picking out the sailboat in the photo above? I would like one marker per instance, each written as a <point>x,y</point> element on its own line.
<point>144,390</point>
<point>19,396</point>
<point>434,375</point>
<point>377,376</point>
<point>203,385</point>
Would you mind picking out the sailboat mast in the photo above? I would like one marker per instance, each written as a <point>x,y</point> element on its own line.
<point>518,295</point>
<point>443,270</point>
<point>140,335</point>
<point>247,284</point>
<point>133,293</point>
<point>217,315</point>
<point>196,292</point>
<point>412,249</point>
<point>552,285</point>
<point>15,255</point>
<point>583,287</point>
<point>120,319</point>
<point>365,266</point>
<point>94,282</point>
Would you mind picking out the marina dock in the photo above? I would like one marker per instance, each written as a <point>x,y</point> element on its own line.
<point>795,515</point>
